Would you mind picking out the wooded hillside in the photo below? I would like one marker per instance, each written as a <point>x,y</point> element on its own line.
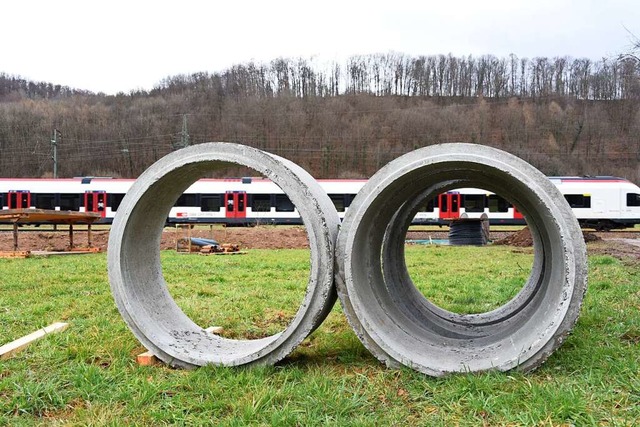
<point>565,116</point>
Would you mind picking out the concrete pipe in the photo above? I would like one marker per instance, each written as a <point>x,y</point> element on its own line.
<point>135,271</point>
<point>399,325</point>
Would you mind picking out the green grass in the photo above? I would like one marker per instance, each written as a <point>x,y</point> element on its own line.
<point>267,286</point>
<point>445,275</point>
<point>87,375</point>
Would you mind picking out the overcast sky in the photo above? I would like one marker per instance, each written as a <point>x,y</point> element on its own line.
<point>117,45</point>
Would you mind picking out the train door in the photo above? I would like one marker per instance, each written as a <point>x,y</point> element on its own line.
<point>449,204</point>
<point>516,213</point>
<point>236,203</point>
<point>95,201</point>
<point>18,199</point>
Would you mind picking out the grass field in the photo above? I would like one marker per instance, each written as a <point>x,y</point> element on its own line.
<point>87,375</point>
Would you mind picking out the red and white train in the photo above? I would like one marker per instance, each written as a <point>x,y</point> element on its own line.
<point>598,202</point>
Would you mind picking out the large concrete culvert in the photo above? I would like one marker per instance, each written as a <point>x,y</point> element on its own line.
<point>135,271</point>
<point>399,325</point>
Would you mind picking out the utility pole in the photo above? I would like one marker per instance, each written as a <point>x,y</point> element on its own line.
<point>125,151</point>
<point>184,135</point>
<point>54,143</point>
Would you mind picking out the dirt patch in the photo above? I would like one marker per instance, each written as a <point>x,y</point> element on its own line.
<point>523,238</point>
<point>619,245</point>
<point>622,249</point>
<point>30,239</point>
<point>261,237</point>
<point>520,239</point>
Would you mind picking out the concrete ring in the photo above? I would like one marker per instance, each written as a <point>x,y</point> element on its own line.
<point>401,327</point>
<point>135,271</point>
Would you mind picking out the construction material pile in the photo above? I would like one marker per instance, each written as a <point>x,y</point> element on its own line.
<point>205,246</point>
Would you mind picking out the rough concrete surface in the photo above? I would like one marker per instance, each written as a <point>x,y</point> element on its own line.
<point>135,272</point>
<point>387,312</point>
<point>399,325</point>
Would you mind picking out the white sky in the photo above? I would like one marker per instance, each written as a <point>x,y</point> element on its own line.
<point>121,45</point>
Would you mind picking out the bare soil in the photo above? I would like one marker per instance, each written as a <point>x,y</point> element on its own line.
<point>621,245</point>
<point>261,237</point>
<point>523,238</point>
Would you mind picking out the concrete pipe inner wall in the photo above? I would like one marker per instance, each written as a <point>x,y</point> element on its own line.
<point>399,325</point>
<point>135,271</point>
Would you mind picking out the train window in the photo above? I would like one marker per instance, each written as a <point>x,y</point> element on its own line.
<point>2,203</point>
<point>633,199</point>
<point>474,203</point>
<point>428,206</point>
<point>444,206</point>
<point>114,200</point>
<point>338,201</point>
<point>187,200</point>
<point>498,204</point>
<point>455,200</point>
<point>261,203</point>
<point>283,204</point>
<point>45,201</point>
<point>210,203</point>
<point>70,202</point>
<point>348,199</point>
<point>242,198</point>
<point>578,200</point>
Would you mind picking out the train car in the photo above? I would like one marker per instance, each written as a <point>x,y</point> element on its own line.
<point>599,202</point>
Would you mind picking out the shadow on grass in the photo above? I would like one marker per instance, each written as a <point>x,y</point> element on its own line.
<point>334,352</point>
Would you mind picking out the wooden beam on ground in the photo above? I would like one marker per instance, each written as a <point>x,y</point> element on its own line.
<point>15,254</point>
<point>8,350</point>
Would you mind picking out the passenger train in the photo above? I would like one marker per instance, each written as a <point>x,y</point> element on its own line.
<point>598,202</point>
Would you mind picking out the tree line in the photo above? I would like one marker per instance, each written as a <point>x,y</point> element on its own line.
<point>435,75</point>
<point>564,116</point>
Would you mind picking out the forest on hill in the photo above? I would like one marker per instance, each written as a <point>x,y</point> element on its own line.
<point>565,116</point>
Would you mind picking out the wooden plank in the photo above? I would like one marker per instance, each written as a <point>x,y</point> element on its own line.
<point>56,253</point>
<point>8,350</point>
<point>27,216</point>
<point>15,254</point>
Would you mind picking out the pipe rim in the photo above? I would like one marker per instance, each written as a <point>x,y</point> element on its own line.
<point>527,333</point>
<point>135,271</point>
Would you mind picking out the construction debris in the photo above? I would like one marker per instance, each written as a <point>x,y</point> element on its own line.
<point>224,248</point>
<point>205,246</point>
